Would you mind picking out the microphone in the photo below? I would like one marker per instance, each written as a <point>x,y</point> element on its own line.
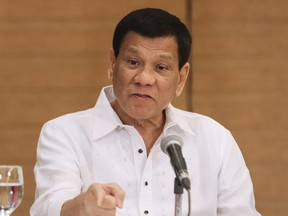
<point>171,145</point>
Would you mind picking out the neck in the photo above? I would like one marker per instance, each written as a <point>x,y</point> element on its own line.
<point>149,129</point>
<point>156,122</point>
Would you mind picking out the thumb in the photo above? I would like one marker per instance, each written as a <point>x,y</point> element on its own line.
<point>116,192</point>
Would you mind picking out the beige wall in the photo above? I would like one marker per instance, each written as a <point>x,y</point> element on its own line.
<point>54,55</point>
<point>240,79</point>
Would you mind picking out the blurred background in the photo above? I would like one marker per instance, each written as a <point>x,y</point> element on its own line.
<point>54,58</point>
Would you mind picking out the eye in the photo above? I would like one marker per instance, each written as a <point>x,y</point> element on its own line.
<point>162,68</point>
<point>133,62</point>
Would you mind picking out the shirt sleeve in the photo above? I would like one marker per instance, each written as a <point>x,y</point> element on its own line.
<point>56,172</point>
<point>235,190</point>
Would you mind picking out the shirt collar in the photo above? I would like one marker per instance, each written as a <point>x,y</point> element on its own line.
<point>106,120</point>
<point>175,121</point>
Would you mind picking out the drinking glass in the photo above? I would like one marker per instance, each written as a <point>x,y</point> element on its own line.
<point>11,188</point>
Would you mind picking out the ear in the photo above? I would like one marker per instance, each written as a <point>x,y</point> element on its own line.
<point>183,74</point>
<point>112,59</point>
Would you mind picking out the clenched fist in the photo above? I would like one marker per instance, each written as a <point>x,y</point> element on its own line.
<point>98,200</point>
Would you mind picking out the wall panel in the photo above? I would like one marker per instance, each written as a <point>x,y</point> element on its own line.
<point>240,79</point>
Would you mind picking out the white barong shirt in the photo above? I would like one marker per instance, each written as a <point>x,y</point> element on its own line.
<point>94,146</point>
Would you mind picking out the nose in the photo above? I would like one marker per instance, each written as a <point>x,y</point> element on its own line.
<point>145,76</point>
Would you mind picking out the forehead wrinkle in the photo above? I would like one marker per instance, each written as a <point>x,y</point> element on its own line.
<point>163,56</point>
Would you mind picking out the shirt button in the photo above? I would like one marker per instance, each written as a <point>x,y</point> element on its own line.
<point>146,183</point>
<point>140,151</point>
<point>146,212</point>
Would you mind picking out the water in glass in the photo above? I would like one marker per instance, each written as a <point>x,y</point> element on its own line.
<point>11,189</point>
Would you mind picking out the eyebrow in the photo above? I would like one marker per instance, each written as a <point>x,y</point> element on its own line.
<point>167,57</point>
<point>133,50</point>
<point>162,56</point>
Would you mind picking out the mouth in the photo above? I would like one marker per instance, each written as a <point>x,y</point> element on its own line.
<point>142,95</point>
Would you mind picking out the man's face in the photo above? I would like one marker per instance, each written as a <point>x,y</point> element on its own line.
<point>146,76</point>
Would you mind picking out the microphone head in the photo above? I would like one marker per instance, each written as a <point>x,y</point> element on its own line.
<point>170,140</point>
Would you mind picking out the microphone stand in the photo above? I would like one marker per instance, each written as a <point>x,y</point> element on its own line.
<point>178,191</point>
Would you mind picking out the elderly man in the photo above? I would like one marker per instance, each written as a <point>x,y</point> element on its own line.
<point>108,161</point>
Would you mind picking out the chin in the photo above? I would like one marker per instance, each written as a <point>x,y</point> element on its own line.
<point>140,116</point>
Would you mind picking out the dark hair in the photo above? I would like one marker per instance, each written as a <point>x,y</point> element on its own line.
<point>152,22</point>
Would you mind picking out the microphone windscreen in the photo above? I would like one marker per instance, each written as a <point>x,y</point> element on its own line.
<point>170,140</point>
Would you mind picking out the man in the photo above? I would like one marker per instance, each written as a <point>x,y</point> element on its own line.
<point>107,160</point>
